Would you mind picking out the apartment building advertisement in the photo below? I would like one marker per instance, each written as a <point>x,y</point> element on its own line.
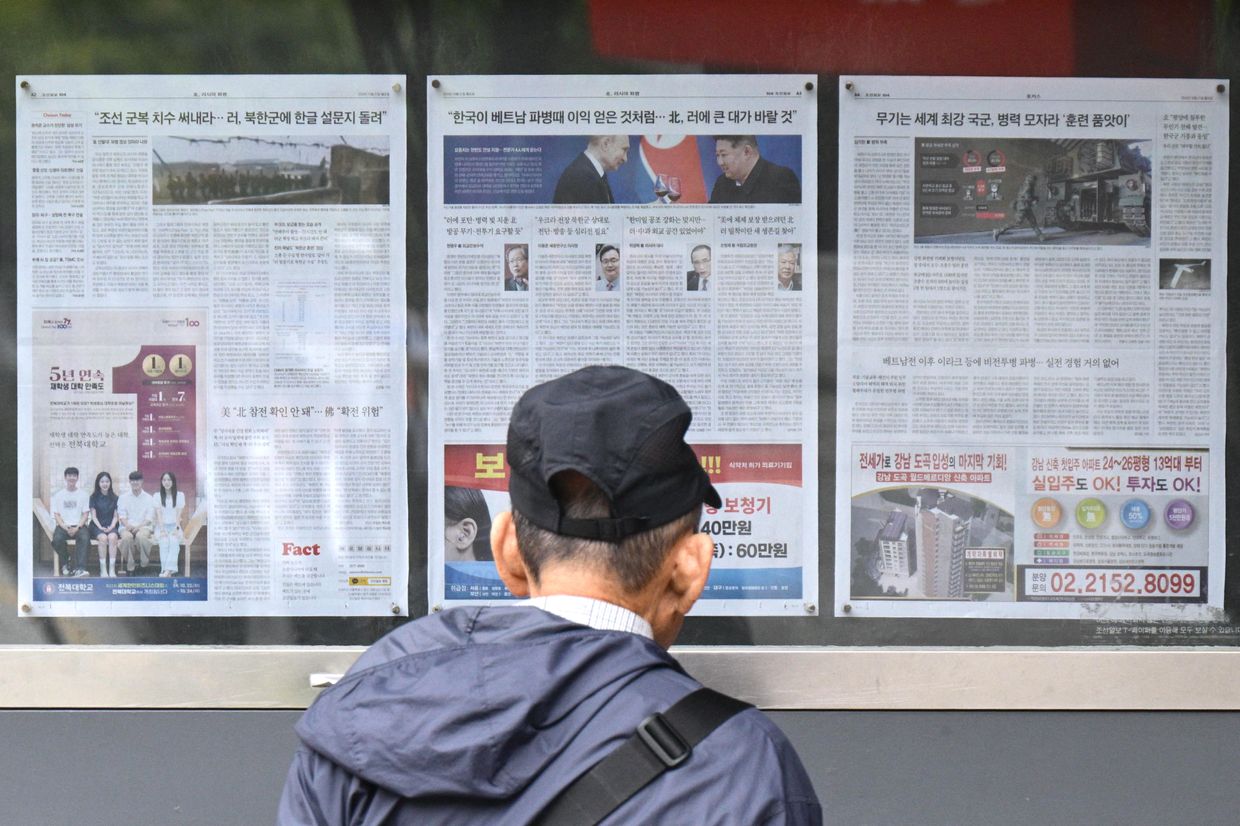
<point>1032,335</point>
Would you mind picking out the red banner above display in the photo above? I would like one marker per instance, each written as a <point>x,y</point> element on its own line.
<point>941,37</point>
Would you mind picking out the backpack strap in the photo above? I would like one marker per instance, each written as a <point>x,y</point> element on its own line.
<point>661,742</point>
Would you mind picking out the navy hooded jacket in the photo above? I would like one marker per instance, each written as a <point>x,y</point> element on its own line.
<point>482,715</point>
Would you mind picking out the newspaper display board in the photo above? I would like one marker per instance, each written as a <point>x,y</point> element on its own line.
<point>1032,333</point>
<point>654,246</point>
<point>211,298</point>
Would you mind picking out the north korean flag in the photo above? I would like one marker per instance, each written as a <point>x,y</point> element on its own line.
<point>675,155</point>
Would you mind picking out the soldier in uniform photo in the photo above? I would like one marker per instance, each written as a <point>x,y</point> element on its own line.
<point>1023,208</point>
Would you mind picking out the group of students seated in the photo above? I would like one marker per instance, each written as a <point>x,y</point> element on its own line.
<point>118,524</point>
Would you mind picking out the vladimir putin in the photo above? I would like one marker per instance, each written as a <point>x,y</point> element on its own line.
<point>584,181</point>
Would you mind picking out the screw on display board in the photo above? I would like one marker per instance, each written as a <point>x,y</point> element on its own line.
<point>396,88</point>
<point>1221,88</point>
<point>435,83</point>
<point>26,85</point>
<point>809,85</point>
<point>849,85</point>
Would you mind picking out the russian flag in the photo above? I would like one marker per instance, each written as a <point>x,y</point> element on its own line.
<point>675,155</point>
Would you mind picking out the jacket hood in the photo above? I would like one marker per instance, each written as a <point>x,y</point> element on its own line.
<point>472,701</point>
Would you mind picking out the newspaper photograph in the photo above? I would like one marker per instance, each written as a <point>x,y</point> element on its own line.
<point>682,242</point>
<point>211,328</point>
<point>1032,325</point>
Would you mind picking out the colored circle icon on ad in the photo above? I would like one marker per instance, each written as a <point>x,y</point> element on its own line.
<point>180,365</point>
<point>1135,514</point>
<point>1046,512</point>
<point>153,365</point>
<point>1091,513</point>
<point>1180,514</point>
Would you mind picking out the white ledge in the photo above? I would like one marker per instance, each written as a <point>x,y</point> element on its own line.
<point>274,677</point>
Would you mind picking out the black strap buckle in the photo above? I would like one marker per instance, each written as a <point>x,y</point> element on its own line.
<point>664,741</point>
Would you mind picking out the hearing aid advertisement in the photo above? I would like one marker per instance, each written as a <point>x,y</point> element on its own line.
<point>757,558</point>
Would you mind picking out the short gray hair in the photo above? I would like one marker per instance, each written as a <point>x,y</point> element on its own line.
<point>632,562</point>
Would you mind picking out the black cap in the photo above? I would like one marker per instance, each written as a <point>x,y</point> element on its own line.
<point>621,429</point>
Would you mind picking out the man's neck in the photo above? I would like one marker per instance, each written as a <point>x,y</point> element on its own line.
<point>595,613</point>
<point>594,160</point>
<point>741,181</point>
<point>581,581</point>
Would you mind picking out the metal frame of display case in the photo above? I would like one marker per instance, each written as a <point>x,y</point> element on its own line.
<point>993,678</point>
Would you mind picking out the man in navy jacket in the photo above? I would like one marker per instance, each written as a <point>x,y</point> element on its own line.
<point>483,715</point>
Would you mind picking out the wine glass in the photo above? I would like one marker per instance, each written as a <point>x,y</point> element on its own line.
<point>673,188</point>
<point>660,186</point>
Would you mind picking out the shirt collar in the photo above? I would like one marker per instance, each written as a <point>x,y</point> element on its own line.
<point>595,613</point>
<point>598,167</point>
<point>751,179</point>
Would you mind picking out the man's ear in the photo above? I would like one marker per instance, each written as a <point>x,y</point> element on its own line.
<point>508,559</point>
<point>678,585</point>
<point>693,554</point>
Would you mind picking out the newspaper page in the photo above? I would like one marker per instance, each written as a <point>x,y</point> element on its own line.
<point>1032,333</point>
<point>211,329</point>
<point>656,246</point>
